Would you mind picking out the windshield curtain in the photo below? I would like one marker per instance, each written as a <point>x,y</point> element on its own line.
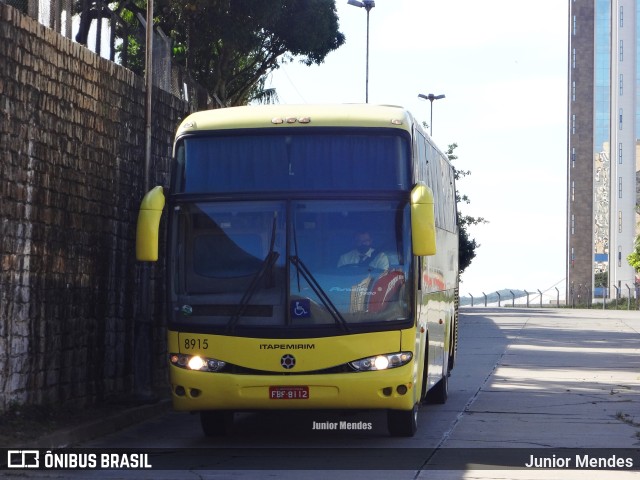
<point>294,161</point>
<point>290,264</point>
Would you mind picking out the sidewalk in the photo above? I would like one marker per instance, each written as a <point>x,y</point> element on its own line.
<point>561,379</point>
<point>39,427</point>
<point>113,422</point>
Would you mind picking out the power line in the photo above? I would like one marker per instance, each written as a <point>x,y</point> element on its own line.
<point>284,70</point>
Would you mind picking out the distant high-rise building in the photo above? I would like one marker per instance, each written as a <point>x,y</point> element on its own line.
<point>603,147</point>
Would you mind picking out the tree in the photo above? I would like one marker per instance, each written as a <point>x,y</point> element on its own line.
<point>634,257</point>
<point>124,23</point>
<point>467,246</point>
<point>230,46</point>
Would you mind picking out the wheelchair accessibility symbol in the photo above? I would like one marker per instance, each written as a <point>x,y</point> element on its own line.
<point>300,308</point>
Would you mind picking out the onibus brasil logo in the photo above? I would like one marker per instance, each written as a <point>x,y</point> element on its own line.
<point>71,460</point>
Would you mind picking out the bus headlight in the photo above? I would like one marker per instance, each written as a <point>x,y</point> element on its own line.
<point>195,362</point>
<point>382,362</point>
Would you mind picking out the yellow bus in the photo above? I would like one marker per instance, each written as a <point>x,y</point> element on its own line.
<point>312,256</point>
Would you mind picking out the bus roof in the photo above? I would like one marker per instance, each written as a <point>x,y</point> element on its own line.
<point>274,116</point>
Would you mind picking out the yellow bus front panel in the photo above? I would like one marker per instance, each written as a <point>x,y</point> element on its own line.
<point>194,390</point>
<point>292,373</point>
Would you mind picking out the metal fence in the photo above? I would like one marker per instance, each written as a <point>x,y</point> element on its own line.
<point>534,298</point>
<point>92,23</point>
<point>51,13</point>
<point>621,298</point>
<point>629,294</point>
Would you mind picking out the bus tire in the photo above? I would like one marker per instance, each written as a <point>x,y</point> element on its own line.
<point>453,350</point>
<point>216,422</point>
<point>403,423</point>
<point>425,371</point>
<point>440,391</point>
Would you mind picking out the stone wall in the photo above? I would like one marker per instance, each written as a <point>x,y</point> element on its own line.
<point>71,179</point>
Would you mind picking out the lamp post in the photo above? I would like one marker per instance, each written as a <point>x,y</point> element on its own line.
<point>143,333</point>
<point>367,5</point>
<point>431,97</point>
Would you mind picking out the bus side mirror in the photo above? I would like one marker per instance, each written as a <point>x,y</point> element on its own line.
<point>148,229</point>
<point>423,224</point>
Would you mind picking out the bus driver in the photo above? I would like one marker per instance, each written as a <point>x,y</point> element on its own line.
<point>364,254</point>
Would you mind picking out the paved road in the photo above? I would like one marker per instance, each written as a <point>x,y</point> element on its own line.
<point>529,379</point>
<point>560,379</point>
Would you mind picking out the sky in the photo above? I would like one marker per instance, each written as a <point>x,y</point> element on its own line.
<point>502,66</point>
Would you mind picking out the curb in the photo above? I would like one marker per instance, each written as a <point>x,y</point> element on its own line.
<point>103,426</point>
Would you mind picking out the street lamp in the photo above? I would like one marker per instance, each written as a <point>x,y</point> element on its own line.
<point>367,5</point>
<point>142,335</point>
<point>431,97</point>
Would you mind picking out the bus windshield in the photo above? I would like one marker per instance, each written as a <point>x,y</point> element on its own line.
<point>295,264</point>
<point>286,161</point>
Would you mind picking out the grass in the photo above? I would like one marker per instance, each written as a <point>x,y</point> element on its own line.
<point>621,304</point>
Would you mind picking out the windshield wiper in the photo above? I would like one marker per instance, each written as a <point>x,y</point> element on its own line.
<point>266,266</point>
<point>302,269</point>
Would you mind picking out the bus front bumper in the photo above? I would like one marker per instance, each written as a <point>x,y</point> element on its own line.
<point>388,389</point>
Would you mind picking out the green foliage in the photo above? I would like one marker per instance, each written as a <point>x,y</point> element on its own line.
<point>231,46</point>
<point>634,257</point>
<point>132,49</point>
<point>466,246</point>
<point>125,18</point>
<point>601,279</point>
<point>228,46</point>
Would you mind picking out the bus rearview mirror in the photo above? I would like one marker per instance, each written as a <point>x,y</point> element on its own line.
<point>423,225</point>
<point>148,229</point>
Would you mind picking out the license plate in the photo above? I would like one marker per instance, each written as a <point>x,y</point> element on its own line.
<point>289,393</point>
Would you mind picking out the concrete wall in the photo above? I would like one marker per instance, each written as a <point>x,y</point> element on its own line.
<point>71,180</point>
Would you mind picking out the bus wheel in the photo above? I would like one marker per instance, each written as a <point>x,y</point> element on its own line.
<point>403,423</point>
<point>440,391</point>
<point>454,346</point>
<point>424,390</point>
<point>216,422</point>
